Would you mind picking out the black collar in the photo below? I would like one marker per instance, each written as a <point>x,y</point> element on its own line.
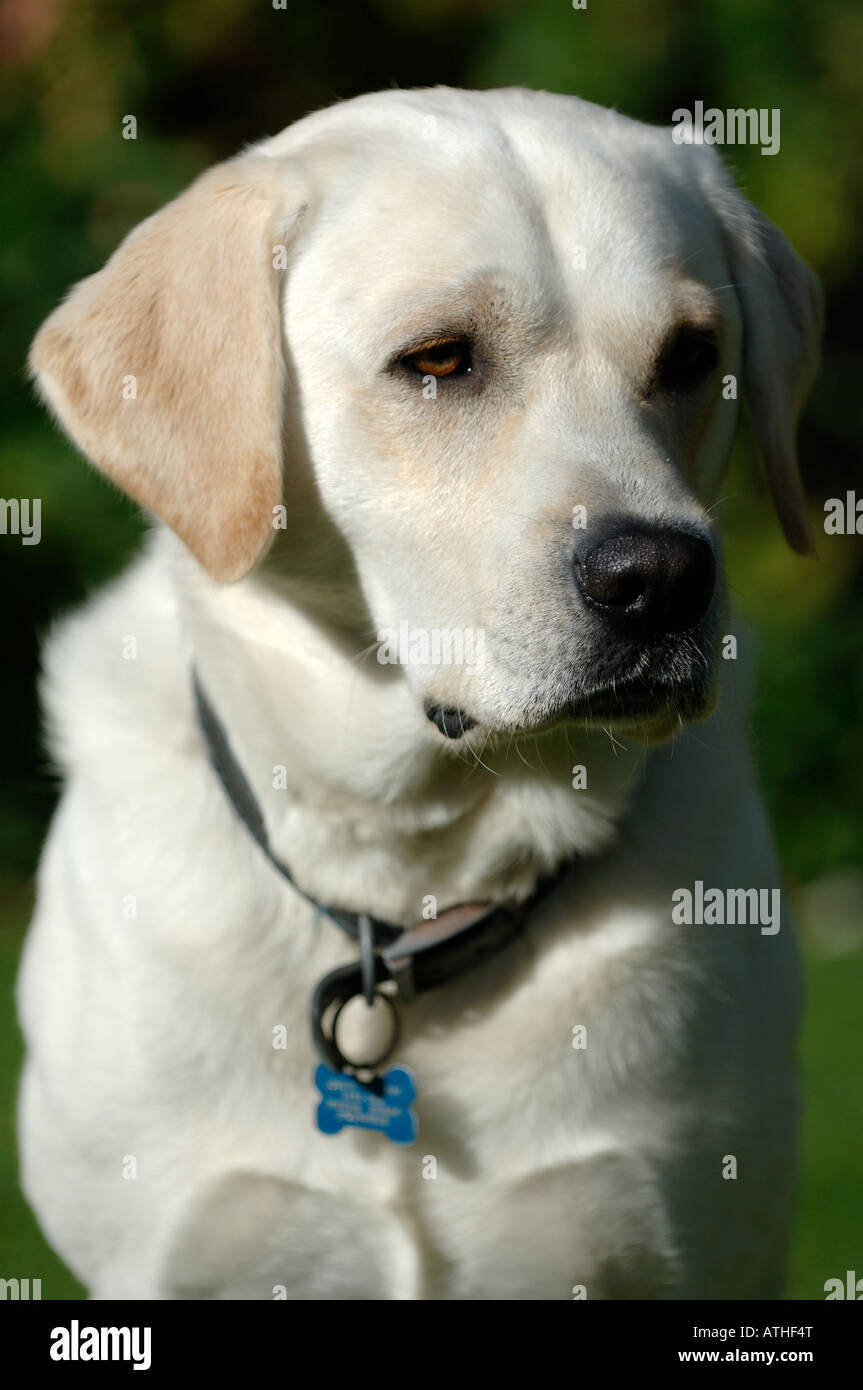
<point>415,959</point>
<point>245,803</point>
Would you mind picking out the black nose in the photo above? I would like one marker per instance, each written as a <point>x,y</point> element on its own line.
<point>648,582</point>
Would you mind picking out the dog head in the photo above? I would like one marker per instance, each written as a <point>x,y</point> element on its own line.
<point>484,349</point>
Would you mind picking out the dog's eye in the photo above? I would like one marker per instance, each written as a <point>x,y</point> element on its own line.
<point>447,357</point>
<point>686,361</point>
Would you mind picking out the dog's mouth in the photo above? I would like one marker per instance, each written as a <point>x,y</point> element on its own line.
<point>652,708</point>
<point>631,700</point>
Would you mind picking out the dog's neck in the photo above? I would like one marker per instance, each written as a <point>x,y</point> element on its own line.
<point>371,809</point>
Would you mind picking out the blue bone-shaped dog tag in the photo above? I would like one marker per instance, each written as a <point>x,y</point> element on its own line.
<point>347,1101</point>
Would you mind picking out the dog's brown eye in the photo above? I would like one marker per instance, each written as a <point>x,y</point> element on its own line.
<point>450,357</point>
<point>686,361</point>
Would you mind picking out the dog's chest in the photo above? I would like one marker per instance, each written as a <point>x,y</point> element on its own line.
<point>529,1095</point>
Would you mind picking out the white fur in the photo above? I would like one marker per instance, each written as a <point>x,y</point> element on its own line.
<point>152,1038</point>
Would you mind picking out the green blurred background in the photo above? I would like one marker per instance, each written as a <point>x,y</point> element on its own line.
<point>203,77</point>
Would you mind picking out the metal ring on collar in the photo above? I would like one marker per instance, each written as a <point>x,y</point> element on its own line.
<point>373,1062</point>
<point>337,988</point>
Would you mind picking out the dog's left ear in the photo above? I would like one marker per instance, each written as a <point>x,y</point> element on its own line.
<point>166,367</point>
<point>782,311</point>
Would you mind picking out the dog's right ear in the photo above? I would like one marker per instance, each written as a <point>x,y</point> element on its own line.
<point>782,310</point>
<point>166,367</point>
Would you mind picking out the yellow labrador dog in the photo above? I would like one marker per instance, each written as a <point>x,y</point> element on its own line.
<point>391,726</point>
